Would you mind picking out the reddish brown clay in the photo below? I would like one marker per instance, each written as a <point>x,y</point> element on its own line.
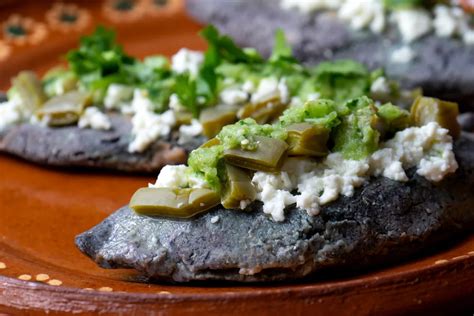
<point>43,209</point>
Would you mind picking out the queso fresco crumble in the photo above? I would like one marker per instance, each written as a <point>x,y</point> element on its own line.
<point>411,18</point>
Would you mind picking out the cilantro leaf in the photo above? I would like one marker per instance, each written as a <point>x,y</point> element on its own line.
<point>99,61</point>
<point>402,4</point>
<point>98,52</point>
<point>342,80</point>
<point>281,48</point>
<point>186,90</point>
<point>226,48</point>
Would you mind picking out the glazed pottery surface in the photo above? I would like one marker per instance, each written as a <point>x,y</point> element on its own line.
<point>43,209</point>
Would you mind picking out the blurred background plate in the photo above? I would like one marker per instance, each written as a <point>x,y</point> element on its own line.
<point>43,209</point>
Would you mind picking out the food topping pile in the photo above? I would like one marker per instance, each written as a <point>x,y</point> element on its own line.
<point>194,93</point>
<point>313,153</point>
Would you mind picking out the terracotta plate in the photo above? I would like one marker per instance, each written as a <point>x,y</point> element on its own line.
<point>43,209</point>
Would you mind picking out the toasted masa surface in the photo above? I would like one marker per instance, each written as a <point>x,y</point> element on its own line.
<point>384,221</point>
<point>72,146</point>
<point>444,67</point>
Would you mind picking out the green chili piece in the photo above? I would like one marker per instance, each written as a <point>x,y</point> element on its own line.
<point>267,156</point>
<point>262,112</point>
<point>213,119</point>
<point>238,187</point>
<point>64,109</point>
<point>425,110</point>
<point>173,202</point>
<point>210,143</point>
<point>183,118</point>
<point>29,88</point>
<point>305,139</point>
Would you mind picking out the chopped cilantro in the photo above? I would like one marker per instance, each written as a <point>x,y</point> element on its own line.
<point>225,48</point>
<point>100,61</point>
<point>342,80</point>
<point>281,48</point>
<point>402,4</point>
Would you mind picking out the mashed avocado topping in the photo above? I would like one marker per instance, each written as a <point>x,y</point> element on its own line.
<point>242,134</point>
<point>356,138</point>
<point>205,162</point>
<point>320,112</point>
<point>352,126</point>
<point>312,154</point>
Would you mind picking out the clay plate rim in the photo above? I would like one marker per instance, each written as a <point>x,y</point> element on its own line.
<point>454,264</point>
<point>415,277</point>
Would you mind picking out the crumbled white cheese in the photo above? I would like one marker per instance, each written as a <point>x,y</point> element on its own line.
<point>248,86</point>
<point>171,176</point>
<point>364,13</point>
<point>244,203</point>
<point>313,96</point>
<point>446,20</point>
<point>175,104</point>
<point>468,37</point>
<point>16,111</point>
<point>444,23</point>
<point>188,132</point>
<point>380,87</point>
<point>178,176</point>
<point>453,21</point>
<point>147,126</point>
<point>307,6</point>
<point>215,219</point>
<point>186,60</point>
<point>95,119</point>
<point>328,180</point>
<point>117,96</point>
<point>273,191</point>
<point>384,162</point>
<point>269,89</point>
<point>11,113</point>
<point>429,148</point>
<point>297,101</point>
<point>233,95</point>
<point>412,23</point>
<point>127,109</point>
<point>360,14</point>
<point>284,91</point>
<point>141,102</point>
<point>402,55</point>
